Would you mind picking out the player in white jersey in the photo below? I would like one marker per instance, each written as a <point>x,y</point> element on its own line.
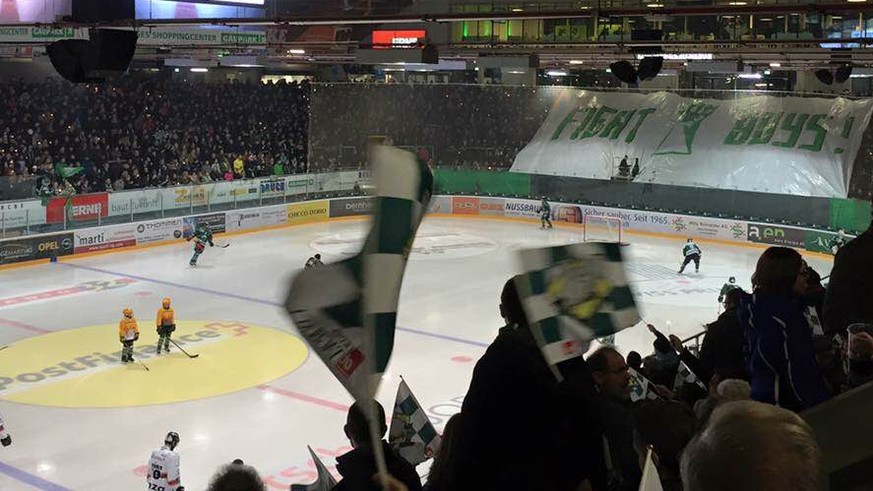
<point>5,438</point>
<point>163,471</point>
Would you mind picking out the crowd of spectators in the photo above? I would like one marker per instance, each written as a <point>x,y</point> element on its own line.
<point>734,421</point>
<point>150,130</point>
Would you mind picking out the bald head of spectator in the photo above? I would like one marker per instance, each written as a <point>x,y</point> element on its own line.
<point>754,447</point>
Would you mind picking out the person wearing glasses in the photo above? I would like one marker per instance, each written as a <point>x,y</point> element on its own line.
<point>780,354</point>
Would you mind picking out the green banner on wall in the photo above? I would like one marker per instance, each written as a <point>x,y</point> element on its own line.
<point>850,215</point>
<point>482,182</point>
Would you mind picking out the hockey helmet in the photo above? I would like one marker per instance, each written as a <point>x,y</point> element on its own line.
<point>732,279</point>
<point>166,302</point>
<point>171,440</point>
<point>128,312</point>
<point>318,256</point>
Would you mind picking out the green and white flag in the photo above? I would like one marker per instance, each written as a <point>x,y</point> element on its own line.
<point>572,294</point>
<point>641,387</point>
<point>347,311</point>
<point>325,481</point>
<point>685,376</point>
<point>412,435</point>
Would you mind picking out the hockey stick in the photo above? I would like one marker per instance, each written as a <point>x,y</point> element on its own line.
<point>183,350</point>
<point>223,246</point>
<point>3,347</point>
<point>143,365</point>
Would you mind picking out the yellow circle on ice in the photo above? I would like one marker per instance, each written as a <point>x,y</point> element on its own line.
<point>81,367</point>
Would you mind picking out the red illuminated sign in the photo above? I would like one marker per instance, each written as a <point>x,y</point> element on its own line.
<point>398,39</point>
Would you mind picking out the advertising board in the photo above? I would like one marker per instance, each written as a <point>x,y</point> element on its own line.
<point>158,230</point>
<point>104,238</point>
<point>308,212</point>
<point>351,207</point>
<point>81,207</point>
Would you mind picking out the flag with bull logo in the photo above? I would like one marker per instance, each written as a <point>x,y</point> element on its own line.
<point>572,294</point>
<point>412,435</point>
<point>347,311</point>
<point>324,482</point>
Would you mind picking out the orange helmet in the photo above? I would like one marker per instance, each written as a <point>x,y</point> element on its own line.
<point>166,302</point>
<point>127,312</point>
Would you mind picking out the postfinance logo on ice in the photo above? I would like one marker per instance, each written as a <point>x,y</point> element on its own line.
<point>80,367</point>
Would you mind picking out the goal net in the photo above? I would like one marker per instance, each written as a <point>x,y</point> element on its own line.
<point>600,228</point>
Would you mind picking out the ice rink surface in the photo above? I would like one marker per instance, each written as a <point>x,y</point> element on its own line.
<point>255,393</point>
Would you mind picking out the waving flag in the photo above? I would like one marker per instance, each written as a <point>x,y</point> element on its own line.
<point>412,435</point>
<point>685,376</point>
<point>572,294</point>
<point>641,387</point>
<point>347,311</point>
<point>325,481</point>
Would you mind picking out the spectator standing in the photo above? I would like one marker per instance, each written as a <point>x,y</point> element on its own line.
<point>611,377</point>
<point>358,466</point>
<point>849,297</point>
<point>239,167</point>
<point>722,348</point>
<point>779,346</point>
<point>667,427</point>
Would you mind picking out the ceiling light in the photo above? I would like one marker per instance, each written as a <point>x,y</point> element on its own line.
<point>767,72</point>
<point>659,5</point>
<point>836,17</point>
<point>755,76</point>
<point>296,51</point>
<point>856,1</point>
<point>737,4</point>
<point>766,19</point>
<point>775,65</point>
<point>763,84</point>
<point>199,70</point>
<point>575,62</point>
<point>556,73</point>
<point>517,9</point>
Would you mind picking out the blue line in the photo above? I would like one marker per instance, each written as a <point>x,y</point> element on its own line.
<point>183,286</point>
<point>35,481</point>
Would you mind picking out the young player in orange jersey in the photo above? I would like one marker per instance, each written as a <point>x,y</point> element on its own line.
<point>165,324</point>
<point>128,333</point>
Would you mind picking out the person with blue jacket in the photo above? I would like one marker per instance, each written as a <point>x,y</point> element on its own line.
<point>778,338</point>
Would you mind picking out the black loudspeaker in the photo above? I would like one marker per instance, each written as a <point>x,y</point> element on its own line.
<point>649,67</point>
<point>106,55</point>
<point>430,54</point>
<point>843,73</point>
<point>824,76</point>
<point>103,10</point>
<point>624,71</point>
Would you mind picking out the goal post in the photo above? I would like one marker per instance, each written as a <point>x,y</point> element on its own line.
<point>601,228</point>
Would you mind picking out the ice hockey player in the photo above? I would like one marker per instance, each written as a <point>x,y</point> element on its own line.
<point>838,242</point>
<point>165,325</point>
<point>730,285</point>
<point>314,261</point>
<point>128,333</point>
<point>201,237</point>
<point>163,471</point>
<point>5,438</point>
<point>545,214</point>
<point>692,253</point>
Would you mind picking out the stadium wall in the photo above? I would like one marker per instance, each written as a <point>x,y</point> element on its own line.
<point>38,248</point>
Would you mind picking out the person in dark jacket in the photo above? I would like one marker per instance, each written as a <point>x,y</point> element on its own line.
<point>442,475</point>
<point>779,346</point>
<point>610,373</point>
<point>359,466</point>
<point>849,297</point>
<point>666,426</point>
<point>661,367</point>
<point>521,428</point>
<point>722,348</point>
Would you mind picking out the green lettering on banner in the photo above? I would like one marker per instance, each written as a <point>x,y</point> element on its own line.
<point>847,126</point>
<point>43,33</point>
<point>819,132</point>
<point>765,128</point>
<point>14,31</point>
<point>589,113</point>
<point>598,122</point>
<point>691,118</point>
<point>642,115</point>
<point>617,124</point>
<point>792,123</point>
<point>740,132</point>
<point>567,120</point>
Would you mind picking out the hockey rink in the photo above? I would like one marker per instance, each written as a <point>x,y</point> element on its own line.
<point>82,421</point>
